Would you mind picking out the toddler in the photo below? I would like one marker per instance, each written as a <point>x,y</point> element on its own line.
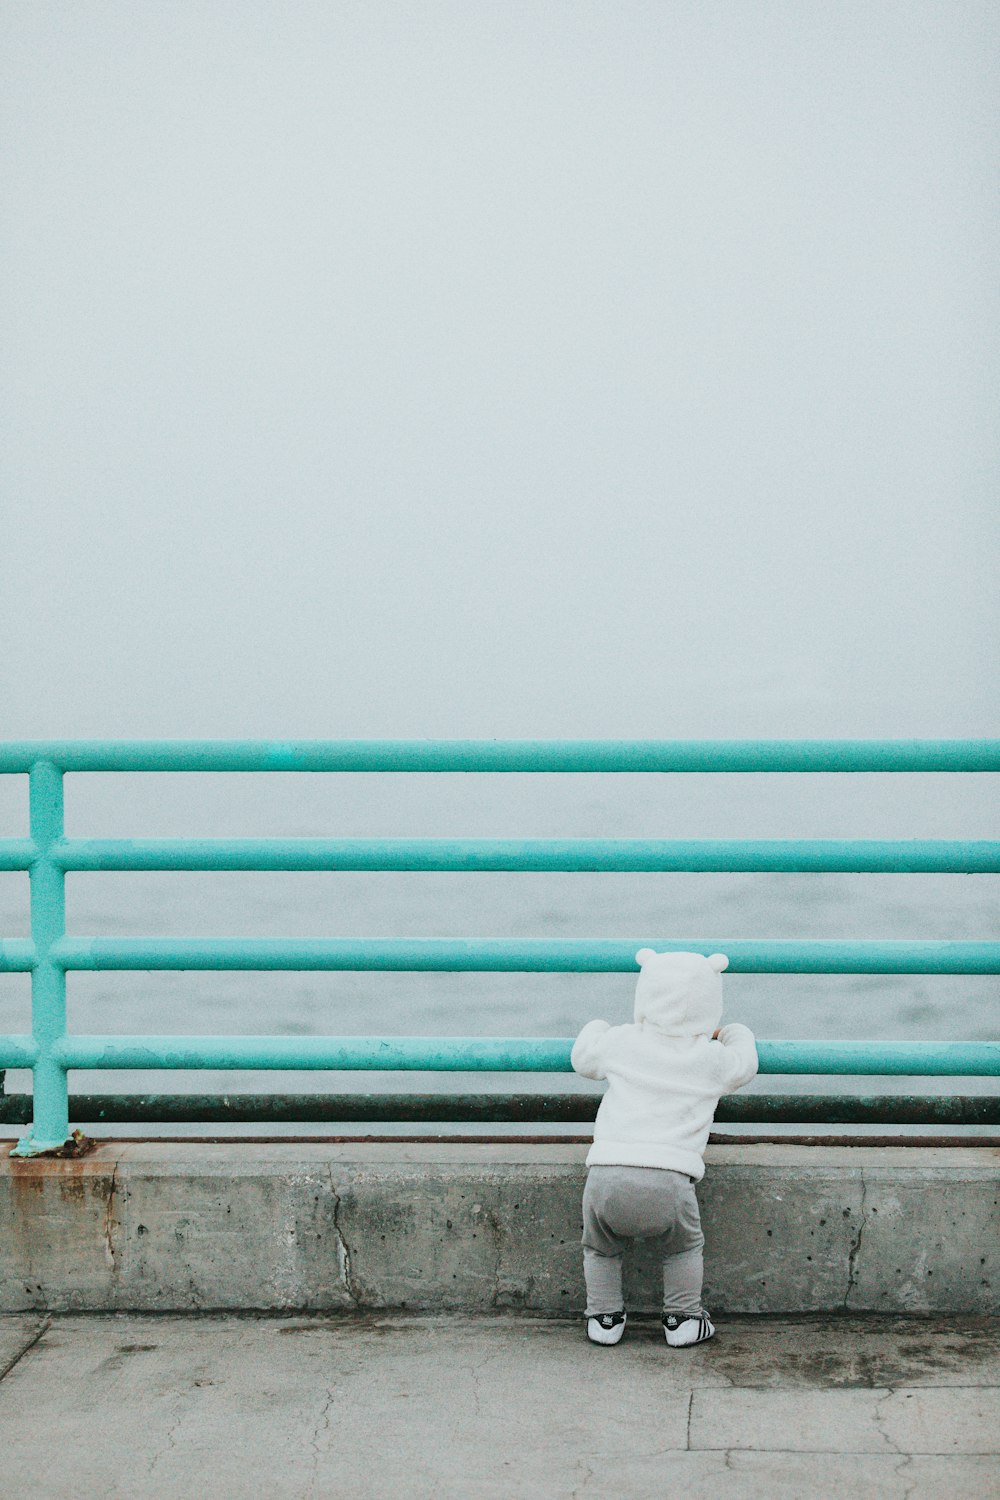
<point>666,1073</point>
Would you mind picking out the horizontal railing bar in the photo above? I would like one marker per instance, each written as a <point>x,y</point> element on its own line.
<point>17,956</point>
<point>495,1054</point>
<point>16,854</point>
<point>446,1054</point>
<point>764,956</point>
<point>890,856</point>
<point>488,1109</point>
<point>505,755</point>
<point>17,1051</point>
<point>919,1059</point>
<point>476,1054</point>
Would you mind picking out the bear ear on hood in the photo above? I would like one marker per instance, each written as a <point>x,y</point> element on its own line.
<point>644,955</point>
<point>718,961</point>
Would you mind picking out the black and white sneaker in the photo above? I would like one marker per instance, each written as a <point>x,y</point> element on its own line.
<point>682,1329</point>
<point>606,1328</point>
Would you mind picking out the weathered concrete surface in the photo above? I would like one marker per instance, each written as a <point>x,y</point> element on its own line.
<point>17,1334</point>
<point>179,1226</point>
<point>451,1406</point>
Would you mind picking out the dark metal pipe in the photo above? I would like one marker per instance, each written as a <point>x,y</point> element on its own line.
<point>481,1108</point>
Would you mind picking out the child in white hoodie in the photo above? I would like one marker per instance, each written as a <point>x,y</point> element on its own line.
<point>666,1074</point>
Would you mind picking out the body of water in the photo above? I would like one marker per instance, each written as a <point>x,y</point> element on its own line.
<point>511,906</point>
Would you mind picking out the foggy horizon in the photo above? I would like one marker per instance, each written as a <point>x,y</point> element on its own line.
<point>455,371</point>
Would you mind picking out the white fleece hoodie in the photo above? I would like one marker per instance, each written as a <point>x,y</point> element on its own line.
<point>665,1073</point>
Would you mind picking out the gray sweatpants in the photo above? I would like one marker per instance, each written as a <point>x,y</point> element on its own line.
<point>624,1203</point>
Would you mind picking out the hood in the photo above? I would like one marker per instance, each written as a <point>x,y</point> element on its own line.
<point>679,994</point>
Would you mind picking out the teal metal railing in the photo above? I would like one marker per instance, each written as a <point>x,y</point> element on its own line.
<point>47,855</point>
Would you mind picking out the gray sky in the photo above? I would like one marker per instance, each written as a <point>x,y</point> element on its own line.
<point>488,369</point>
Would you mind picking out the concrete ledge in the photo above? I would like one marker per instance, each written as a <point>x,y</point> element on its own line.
<point>158,1226</point>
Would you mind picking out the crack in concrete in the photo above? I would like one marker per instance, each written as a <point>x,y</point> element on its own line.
<point>343,1249</point>
<point>910,1484</point>
<point>855,1249</point>
<point>171,1441</point>
<point>687,1441</point>
<point>322,1424</point>
<point>588,1475</point>
<point>39,1333</point>
<point>473,1373</point>
<point>496,1231</point>
<point>109,1221</point>
<point>893,1446</point>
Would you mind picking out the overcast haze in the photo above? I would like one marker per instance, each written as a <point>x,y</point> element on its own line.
<point>487,369</point>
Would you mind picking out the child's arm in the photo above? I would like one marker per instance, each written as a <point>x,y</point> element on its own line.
<point>739,1057</point>
<point>586,1054</point>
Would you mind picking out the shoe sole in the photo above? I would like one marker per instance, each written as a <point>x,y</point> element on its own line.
<point>619,1333</point>
<point>707,1332</point>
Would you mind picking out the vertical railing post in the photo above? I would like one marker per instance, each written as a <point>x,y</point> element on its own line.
<point>50,1112</point>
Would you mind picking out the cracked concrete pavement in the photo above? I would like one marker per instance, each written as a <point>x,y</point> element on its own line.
<point>323,1226</point>
<point>152,1407</point>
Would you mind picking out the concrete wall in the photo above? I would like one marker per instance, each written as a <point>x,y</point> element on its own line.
<point>170,1225</point>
